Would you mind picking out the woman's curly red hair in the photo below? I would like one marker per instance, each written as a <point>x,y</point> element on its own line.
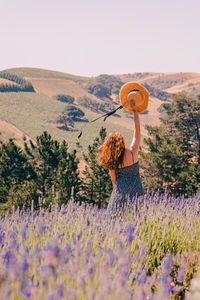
<point>112,151</point>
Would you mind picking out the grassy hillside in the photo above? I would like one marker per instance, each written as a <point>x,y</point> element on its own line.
<point>35,72</point>
<point>186,82</point>
<point>35,112</point>
<point>26,115</point>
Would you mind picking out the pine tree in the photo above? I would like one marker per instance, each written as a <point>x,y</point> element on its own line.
<point>15,168</point>
<point>14,164</point>
<point>172,155</point>
<point>67,175</point>
<point>54,166</point>
<point>97,183</point>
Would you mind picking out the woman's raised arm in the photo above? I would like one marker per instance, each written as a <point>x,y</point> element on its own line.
<point>136,136</point>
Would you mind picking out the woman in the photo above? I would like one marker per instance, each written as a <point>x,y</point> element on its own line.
<point>123,166</point>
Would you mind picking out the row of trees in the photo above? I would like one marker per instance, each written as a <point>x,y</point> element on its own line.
<point>26,87</point>
<point>21,84</point>
<point>47,172</point>
<point>12,77</point>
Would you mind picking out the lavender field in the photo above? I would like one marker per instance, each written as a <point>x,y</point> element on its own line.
<point>80,252</point>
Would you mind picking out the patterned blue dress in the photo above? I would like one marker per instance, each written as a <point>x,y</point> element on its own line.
<point>128,185</point>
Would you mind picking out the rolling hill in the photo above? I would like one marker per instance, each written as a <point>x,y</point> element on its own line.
<point>24,115</point>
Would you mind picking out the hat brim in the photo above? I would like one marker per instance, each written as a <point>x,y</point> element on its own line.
<point>134,86</point>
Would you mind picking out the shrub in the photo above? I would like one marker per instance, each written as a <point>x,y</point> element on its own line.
<point>65,98</point>
<point>99,90</point>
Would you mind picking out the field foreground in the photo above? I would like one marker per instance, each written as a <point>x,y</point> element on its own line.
<point>79,252</point>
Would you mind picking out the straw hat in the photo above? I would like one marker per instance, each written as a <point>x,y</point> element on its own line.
<point>134,97</point>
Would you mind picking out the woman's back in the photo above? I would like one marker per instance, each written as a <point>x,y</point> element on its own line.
<point>128,183</point>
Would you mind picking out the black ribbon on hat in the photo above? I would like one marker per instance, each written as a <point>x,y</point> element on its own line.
<point>107,114</point>
<point>135,90</point>
<point>105,117</point>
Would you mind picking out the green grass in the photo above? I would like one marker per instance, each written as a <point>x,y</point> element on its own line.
<point>34,113</point>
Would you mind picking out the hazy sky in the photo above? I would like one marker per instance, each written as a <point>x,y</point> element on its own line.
<point>91,37</point>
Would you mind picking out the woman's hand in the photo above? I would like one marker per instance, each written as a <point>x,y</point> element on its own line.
<point>132,103</point>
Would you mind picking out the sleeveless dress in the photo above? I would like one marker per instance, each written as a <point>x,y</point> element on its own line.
<point>128,186</point>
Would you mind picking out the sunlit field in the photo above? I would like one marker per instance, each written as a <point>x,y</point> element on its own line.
<point>147,251</point>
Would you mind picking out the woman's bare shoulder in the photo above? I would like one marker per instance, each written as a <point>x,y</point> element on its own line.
<point>128,157</point>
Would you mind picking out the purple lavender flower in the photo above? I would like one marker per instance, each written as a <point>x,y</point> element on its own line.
<point>47,246</point>
<point>129,230</point>
<point>88,222</point>
<point>60,292</point>
<point>26,292</point>
<point>142,279</point>
<point>2,236</point>
<point>56,251</point>
<point>25,288</point>
<point>26,249</point>
<point>88,248</point>
<point>124,274</point>
<point>79,235</point>
<point>180,276</point>
<point>9,259</point>
<point>24,266</point>
<point>23,233</point>
<point>44,282</point>
<point>68,248</point>
<point>130,237</point>
<point>91,270</point>
<point>41,229</point>
<point>168,262</point>
<point>59,237</point>
<point>13,245</point>
<point>122,282</point>
<point>11,234</point>
<point>112,257</point>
